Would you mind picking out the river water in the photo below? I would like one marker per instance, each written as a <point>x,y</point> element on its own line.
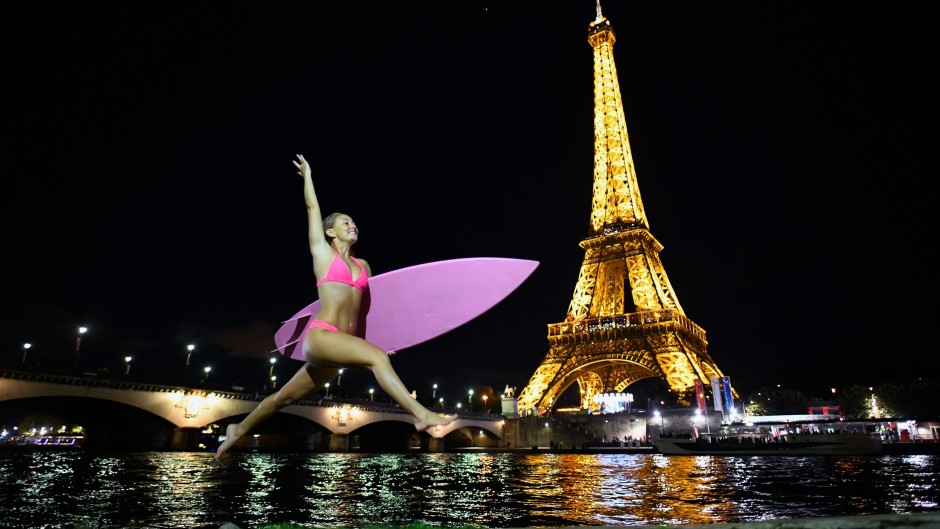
<point>192,490</point>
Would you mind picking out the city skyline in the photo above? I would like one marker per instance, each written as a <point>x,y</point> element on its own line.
<point>781,153</point>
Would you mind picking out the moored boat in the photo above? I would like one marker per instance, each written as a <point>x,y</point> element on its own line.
<point>791,444</point>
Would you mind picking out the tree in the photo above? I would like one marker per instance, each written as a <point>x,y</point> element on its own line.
<point>776,401</point>
<point>855,401</point>
<point>913,398</point>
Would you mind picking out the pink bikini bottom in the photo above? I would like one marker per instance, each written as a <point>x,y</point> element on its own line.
<point>320,324</point>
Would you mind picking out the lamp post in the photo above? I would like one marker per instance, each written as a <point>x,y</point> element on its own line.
<point>26,347</point>
<point>273,381</point>
<point>486,408</point>
<point>441,401</point>
<point>206,369</point>
<point>371,394</point>
<point>327,386</point>
<point>470,400</point>
<point>339,379</point>
<point>434,392</point>
<point>78,341</point>
<point>273,361</point>
<point>127,365</point>
<point>189,353</point>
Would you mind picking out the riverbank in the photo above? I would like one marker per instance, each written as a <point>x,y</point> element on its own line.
<point>911,449</point>
<point>878,521</point>
<point>890,449</point>
<point>551,450</point>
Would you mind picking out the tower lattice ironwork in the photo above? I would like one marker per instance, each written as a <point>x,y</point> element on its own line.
<point>602,345</point>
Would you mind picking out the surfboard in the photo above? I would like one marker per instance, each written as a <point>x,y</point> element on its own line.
<point>412,305</point>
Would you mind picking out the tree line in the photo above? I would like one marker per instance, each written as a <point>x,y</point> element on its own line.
<point>918,397</point>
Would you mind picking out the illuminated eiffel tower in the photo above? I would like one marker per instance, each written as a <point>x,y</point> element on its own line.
<point>601,345</point>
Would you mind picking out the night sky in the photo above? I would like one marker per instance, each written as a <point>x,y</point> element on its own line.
<point>782,151</point>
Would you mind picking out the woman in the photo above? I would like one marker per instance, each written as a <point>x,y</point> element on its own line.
<point>331,341</point>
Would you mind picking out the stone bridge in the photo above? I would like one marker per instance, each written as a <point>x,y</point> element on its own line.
<point>148,416</point>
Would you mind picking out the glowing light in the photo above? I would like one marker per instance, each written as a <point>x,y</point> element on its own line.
<point>344,415</point>
<point>193,403</point>
<point>613,402</point>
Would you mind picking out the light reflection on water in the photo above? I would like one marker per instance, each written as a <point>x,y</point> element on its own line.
<point>179,489</point>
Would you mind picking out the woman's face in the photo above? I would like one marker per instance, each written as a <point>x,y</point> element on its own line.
<point>345,229</point>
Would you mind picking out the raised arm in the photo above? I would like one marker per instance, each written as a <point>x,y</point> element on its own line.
<point>319,247</point>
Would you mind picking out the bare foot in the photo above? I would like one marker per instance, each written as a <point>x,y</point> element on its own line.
<point>434,419</point>
<point>232,434</point>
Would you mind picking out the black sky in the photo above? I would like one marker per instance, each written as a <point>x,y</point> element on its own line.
<point>783,149</point>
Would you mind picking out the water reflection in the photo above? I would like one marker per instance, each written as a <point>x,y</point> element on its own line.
<point>170,489</point>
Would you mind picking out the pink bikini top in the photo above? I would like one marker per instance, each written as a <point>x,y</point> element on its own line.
<point>340,273</point>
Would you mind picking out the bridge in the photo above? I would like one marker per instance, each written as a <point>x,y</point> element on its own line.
<point>122,414</point>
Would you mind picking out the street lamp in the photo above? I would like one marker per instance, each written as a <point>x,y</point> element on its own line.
<point>441,401</point>
<point>371,394</point>
<point>127,365</point>
<point>189,353</point>
<point>78,341</point>
<point>271,371</point>
<point>207,369</point>
<point>26,347</point>
<point>485,408</point>
<point>273,381</point>
<point>327,386</point>
<point>469,399</point>
<point>434,393</point>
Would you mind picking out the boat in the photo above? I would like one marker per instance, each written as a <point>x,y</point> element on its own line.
<point>850,443</point>
<point>42,442</point>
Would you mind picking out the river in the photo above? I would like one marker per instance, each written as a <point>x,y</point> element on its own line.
<point>190,489</point>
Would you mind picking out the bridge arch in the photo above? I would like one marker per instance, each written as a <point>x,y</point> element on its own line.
<point>105,423</point>
<point>190,413</point>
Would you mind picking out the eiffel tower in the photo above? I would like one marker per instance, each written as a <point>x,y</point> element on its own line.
<point>602,345</point>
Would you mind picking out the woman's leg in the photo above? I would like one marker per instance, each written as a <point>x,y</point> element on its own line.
<point>340,349</point>
<point>304,382</point>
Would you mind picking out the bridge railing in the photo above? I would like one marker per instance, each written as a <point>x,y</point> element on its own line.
<point>366,405</point>
<point>388,407</point>
<point>117,384</point>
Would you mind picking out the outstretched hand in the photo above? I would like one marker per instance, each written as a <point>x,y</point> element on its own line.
<point>303,168</point>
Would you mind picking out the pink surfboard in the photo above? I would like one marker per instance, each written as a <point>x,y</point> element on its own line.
<point>412,305</point>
